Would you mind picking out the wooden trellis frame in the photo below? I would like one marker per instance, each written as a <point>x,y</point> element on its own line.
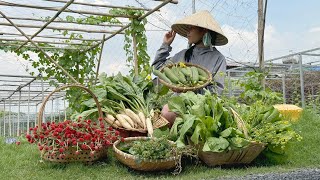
<point>66,9</point>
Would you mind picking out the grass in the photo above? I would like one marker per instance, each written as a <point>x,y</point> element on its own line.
<point>22,162</point>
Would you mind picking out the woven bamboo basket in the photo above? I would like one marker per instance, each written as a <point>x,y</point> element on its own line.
<point>182,89</point>
<point>70,155</point>
<point>144,164</point>
<point>236,156</point>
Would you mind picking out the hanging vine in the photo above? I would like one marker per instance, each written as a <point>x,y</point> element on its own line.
<point>137,28</point>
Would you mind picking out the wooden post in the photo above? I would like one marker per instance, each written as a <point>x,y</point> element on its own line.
<point>193,6</point>
<point>261,23</point>
<point>260,40</point>
<point>99,60</point>
<point>135,55</point>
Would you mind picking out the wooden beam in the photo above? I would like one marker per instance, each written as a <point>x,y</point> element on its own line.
<point>33,43</point>
<point>50,37</point>
<point>67,10</point>
<point>63,21</point>
<point>128,25</point>
<point>173,2</point>
<point>33,47</point>
<point>62,28</point>
<point>99,60</point>
<point>47,23</point>
<point>49,42</point>
<point>102,5</point>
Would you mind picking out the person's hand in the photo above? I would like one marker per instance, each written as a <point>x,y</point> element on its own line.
<point>169,37</point>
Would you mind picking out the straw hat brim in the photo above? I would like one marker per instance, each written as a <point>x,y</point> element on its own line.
<point>204,20</point>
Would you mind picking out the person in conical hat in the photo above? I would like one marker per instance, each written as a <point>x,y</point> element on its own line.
<point>203,33</point>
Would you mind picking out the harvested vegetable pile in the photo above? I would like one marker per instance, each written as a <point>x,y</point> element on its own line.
<point>184,75</point>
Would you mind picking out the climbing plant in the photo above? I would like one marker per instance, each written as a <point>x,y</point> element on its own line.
<point>137,29</point>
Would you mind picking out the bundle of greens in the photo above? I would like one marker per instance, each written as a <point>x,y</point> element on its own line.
<point>205,120</point>
<point>153,148</point>
<point>265,124</point>
<point>128,101</point>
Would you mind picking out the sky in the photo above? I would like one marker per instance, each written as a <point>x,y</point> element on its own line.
<point>291,26</point>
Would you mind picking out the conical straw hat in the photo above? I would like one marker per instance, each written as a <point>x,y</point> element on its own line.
<point>201,19</point>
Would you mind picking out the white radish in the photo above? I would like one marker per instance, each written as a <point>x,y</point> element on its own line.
<point>109,116</point>
<point>123,122</point>
<point>111,122</point>
<point>117,123</point>
<point>134,117</point>
<point>149,126</point>
<point>143,119</point>
<point>129,120</point>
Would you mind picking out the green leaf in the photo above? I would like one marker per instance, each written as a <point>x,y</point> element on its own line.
<point>187,125</point>
<point>174,129</point>
<point>196,133</point>
<point>87,113</point>
<point>176,104</point>
<point>198,110</point>
<point>227,132</point>
<point>239,142</point>
<point>100,93</point>
<point>89,103</point>
<point>214,144</point>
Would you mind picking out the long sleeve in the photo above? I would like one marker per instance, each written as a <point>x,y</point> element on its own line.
<point>161,55</point>
<point>220,74</point>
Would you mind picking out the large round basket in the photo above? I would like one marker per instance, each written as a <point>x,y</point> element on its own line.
<point>70,155</point>
<point>232,157</point>
<point>236,156</point>
<point>144,164</point>
<point>180,89</point>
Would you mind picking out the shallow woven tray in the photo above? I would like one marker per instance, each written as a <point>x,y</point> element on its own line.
<point>180,89</point>
<point>83,156</point>
<point>145,164</point>
<point>238,156</point>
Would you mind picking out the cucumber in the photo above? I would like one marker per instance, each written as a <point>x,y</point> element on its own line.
<point>195,74</point>
<point>186,72</point>
<point>170,75</point>
<point>202,72</point>
<point>181,77</point>
<point>203,78</point>
<point>174,70</point>
<point>161,76</point>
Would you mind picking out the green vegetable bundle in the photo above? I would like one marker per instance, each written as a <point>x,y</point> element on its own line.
<point>153,148</point>
<point>128,101</point>
<point>266,124</point>
<point>184,75</point>
<point>205,120</point>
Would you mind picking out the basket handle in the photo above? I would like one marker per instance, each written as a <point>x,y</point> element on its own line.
<point>240,123</point>
<point>43,105</point>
